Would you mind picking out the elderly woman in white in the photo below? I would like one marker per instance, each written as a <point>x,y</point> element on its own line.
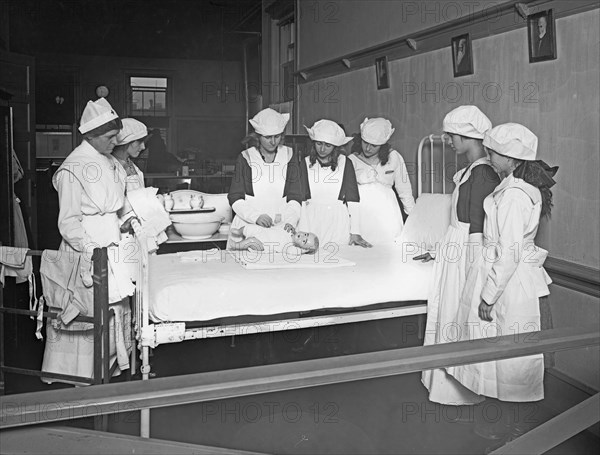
<point>91,191</point>
<point>265,189</point>
<point>330,191</point>
<point>503,287</point>
<point>379,168</point>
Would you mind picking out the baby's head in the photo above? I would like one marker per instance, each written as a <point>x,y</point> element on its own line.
<point>306,241</point>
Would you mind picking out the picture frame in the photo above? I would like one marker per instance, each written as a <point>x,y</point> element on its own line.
<point>462,55</point>
<point>541,36</point>
<point>382,73</point>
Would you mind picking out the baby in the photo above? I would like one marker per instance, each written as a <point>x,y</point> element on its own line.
<point>283,239</point>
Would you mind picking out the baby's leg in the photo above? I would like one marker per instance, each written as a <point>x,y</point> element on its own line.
<point>238,232</point>
<point>251,243</point>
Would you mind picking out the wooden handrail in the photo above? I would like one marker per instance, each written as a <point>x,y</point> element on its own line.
<point>556,430</point>
<point>572,275</point>
<point>64,404</point>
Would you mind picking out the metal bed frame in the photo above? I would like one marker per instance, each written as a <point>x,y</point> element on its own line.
<point>150,335</point>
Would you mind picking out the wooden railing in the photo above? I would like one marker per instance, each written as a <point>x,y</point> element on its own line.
<point>31,408</point>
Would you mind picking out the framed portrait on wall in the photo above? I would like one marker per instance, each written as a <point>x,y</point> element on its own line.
<point>381,71</point>
<point>541,36</point>
<point>462,55</point>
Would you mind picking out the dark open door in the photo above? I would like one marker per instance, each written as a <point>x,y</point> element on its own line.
<point>17,78</point>
<point>6,184</point>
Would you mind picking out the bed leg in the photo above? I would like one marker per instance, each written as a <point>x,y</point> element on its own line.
<point>145,413</point>
<point>101,326</point>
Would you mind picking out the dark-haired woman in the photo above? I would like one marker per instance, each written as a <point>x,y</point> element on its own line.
<point>331,196</point>
<point>91,190</point>
<point>265,189</point>
<point>502,290</point>
<point>379,168</point>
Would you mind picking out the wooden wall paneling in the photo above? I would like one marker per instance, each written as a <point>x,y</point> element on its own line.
<point>572,309</point>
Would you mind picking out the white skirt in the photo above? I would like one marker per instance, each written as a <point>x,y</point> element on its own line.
<point>442,308</point>
<point>380,215</point>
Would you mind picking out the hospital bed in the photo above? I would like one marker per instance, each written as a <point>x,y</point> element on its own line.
<point>206,294</point>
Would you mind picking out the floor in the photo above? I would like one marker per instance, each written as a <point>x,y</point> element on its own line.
<point>384,416</point>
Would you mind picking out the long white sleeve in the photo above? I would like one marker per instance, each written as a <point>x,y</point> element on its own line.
<point>403,186</point>
<point>245,211</point>
<point>70,214</point>
<point>514,210</point>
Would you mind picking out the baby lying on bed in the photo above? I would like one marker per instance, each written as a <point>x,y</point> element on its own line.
<point>279,238</point>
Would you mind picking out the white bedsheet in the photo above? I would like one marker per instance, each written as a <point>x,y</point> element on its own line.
<point>217,287</point>
<point>255,260</point>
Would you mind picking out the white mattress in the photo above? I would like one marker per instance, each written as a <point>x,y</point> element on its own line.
<point>214,286</point>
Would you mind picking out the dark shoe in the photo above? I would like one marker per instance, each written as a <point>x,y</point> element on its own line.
<point>462,414</point>
<point>513,434</point>
<point>493,432</point>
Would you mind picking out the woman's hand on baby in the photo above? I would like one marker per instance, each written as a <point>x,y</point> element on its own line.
<point>485,311</point>
<point>356,239</point>
<point>423,257</point>
<point>264,220</point>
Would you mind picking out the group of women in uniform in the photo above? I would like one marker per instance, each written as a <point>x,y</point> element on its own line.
<point>320,193</point>
<point>493,289</point>
<point>494,286</point>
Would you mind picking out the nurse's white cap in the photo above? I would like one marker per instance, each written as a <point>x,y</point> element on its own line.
<point>95,114</point>
<point>467,121</point>
<point>132,131</point>
<point>269,122</point>
<point>513,140</point>
<point>329,132</point>
<point>376,131</point>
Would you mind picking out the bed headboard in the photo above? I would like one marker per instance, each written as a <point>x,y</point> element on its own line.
<point>436,165</point>
<point>429,219</point>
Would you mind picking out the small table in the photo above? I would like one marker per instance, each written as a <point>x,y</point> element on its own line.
<point>177,243</point>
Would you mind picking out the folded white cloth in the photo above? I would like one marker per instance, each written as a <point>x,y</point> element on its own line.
<point>65,289</point>
<point>152,215</point>
<point>15,262</point>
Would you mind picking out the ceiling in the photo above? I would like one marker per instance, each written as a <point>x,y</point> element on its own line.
<point>188,29</point>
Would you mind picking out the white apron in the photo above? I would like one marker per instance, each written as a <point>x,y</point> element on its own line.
<point>380,216</point>
<point>268,184</point>
<point>517,282</point>
<point>324,214</point>
<point>442,305</point>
